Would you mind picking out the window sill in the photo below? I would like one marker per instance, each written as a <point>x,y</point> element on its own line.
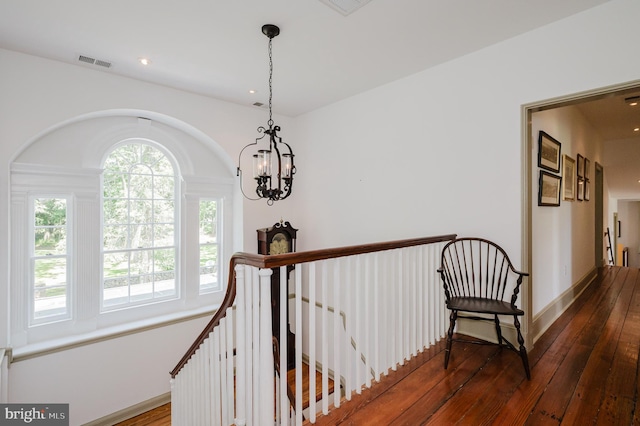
<point>62,344</point>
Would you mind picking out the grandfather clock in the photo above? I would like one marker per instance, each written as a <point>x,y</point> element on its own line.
<point>279,239</point>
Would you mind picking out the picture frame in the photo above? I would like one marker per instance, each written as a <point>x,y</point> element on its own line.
<point>580,191</point>
<point>580,166</point>
<point>549,187</point>
<point>587,193</point>
<point>587,165</point>
<point>569,181</point>
<point>548,152</point>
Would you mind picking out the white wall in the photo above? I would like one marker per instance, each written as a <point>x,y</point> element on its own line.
<point>105,377</point>
<point>433,153</point>
<point>441,151</point>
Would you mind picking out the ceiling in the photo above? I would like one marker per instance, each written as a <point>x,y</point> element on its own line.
<point>216,48</point>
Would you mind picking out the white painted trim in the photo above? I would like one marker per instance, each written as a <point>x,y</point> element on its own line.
<point>543,320</point>
<point>63,344</point>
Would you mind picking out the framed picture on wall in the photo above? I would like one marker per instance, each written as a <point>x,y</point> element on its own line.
<point>587,195</point>
<point>580,190</point>
<point>548,152</point>
<point>549,189</point>
<point>580,166</point>
<point>587,165</point>
<point>569,181</point>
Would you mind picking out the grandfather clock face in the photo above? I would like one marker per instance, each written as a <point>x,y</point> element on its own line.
<point>280,244</point>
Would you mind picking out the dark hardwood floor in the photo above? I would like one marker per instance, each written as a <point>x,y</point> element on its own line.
<point>584,370</point>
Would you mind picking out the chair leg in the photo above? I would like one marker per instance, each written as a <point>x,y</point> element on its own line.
<point>452,325</point>
<point>523,350</point>
<point>498,329</point>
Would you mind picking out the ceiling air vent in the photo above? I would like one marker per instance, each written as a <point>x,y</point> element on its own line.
<point>93,61</point>
<point>346,7</point>
<point>258,104</point>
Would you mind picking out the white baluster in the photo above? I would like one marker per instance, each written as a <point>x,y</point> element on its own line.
<point>284,347</point>
<point>298,345</point>
<point>338,333</point>
<point>230,365</point>
<point>365,319</point>
<point>376,318</point>
<point>324,341</point>
<point>255,345</point>
<point>312,342</point>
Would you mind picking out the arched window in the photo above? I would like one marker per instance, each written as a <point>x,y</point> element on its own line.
<point>139,227</point>
<point>131,228</point>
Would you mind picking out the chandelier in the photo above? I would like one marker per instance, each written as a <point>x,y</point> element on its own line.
<point>273,170</point>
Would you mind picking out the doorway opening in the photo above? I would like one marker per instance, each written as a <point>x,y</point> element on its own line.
<point>562,246</point>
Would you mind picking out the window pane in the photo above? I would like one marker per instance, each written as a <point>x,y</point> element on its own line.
<point>50,212</point>
<point>50,287</point>
<point>163,187</point>
<point>116,185</point>
<point>164,235</point>
<point>141,288</point>
<point>49,260</point>
<point>116,237</point>
<point>115,210</point>
<point>140,211</point>
<point>141,236</point>
<point>116,265</point>
<point>50,241</point>
<point>163,211</point>
<point>209,270</point>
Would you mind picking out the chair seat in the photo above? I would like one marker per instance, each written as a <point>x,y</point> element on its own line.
<point>483,306</point>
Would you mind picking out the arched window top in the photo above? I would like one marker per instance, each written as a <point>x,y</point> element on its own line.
<point>138,157</point>
<point>86,142</point>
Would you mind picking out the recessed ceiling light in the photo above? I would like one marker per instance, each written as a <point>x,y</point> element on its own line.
<point>637,129</point>
<point>144,61</point>
<point>252,91</point>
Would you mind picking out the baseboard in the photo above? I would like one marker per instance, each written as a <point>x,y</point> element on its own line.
<point>134,410</point>
<point>543,320</point>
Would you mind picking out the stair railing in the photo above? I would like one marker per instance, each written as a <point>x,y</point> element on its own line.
<point>356,313</point>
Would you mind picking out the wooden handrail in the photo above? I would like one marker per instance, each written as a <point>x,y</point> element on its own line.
<point>277,260</point>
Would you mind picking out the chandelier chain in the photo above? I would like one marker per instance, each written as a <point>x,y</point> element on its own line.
<point>270,122</point>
